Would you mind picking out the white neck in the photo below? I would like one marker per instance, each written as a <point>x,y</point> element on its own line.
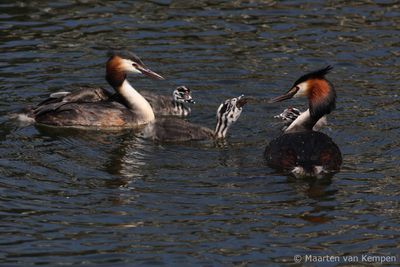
<point>136,102</point>
<point>299,123</point>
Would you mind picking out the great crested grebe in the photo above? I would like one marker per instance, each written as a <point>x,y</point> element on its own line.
<point>290,114</point>
<point>300,149</point>
<point>130,110</point>
<point>161,104</point>
<point>178,130</point>
<point>164,105</point>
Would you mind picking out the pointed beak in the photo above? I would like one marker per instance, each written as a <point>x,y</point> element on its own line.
<point>150,73</point>
<point>286,96</point>
<point>191,101</point>
<point>188,98</point>
<point>241,102</point>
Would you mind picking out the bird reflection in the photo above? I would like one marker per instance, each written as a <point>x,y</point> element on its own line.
<point>130,158</point>
<point>126,155</point>
<point>319,191</point>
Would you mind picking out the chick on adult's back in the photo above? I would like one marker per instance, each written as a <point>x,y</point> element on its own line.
<point>163,105</point>
<point>300,149</point>
<point>129,110</point>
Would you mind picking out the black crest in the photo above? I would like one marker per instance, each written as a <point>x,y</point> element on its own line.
<point>312,75</point>
<point>126,55</point>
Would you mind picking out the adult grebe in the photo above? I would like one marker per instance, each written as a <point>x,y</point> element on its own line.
<point>300,149</point>
<point>178,130</point>
<point>130,110</point>
<point>161,104</point>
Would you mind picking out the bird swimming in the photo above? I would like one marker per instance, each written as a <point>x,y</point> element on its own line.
<point>162,105</point>
<point>300,149</point>
<point>166,106</point>
<point>178,130</point>
<point>99,108</point>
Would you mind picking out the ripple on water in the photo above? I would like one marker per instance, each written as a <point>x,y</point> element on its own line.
<point>109,198</point>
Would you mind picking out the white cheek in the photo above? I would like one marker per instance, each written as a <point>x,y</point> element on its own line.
<point>302,91</point>
<point>135,71</point>
<point>127,66</point>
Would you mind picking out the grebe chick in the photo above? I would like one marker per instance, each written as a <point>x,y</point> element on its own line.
<point>130,110</point>
<point>161,104</point>
<point>178,130</point>
<point>300,149</point>
<point>290,114</point>
<point>164,105</point>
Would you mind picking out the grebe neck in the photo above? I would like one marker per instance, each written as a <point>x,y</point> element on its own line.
<point>304,122</point>
<point>181,108</point>
<point>220,132</point>
<point>222,127</point>
<point>135,101</point>
<point>322,99</point>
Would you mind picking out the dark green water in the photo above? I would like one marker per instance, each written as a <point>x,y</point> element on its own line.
<point>109,199</point>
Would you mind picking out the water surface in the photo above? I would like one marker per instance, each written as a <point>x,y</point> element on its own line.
<point>110,199</point>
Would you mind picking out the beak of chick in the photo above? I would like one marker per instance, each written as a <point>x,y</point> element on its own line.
<point>241,101</point>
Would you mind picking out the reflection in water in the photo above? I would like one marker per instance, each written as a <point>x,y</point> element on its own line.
<point>127,158</point>
<point>321,195</point>
<point>130,158</point>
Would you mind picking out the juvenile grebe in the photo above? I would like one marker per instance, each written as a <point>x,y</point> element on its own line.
<point>161,104</point>
<point>130,110</point>
<point>300,149</point>
<point>178,130</point>
<point>164,105</point>
<point>290,114</point>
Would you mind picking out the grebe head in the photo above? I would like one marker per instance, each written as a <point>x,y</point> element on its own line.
<point>182,95</point>
<point>228,112</point>
<point>289,114</point>
<point>319,91</point>
<point>121,63</point>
